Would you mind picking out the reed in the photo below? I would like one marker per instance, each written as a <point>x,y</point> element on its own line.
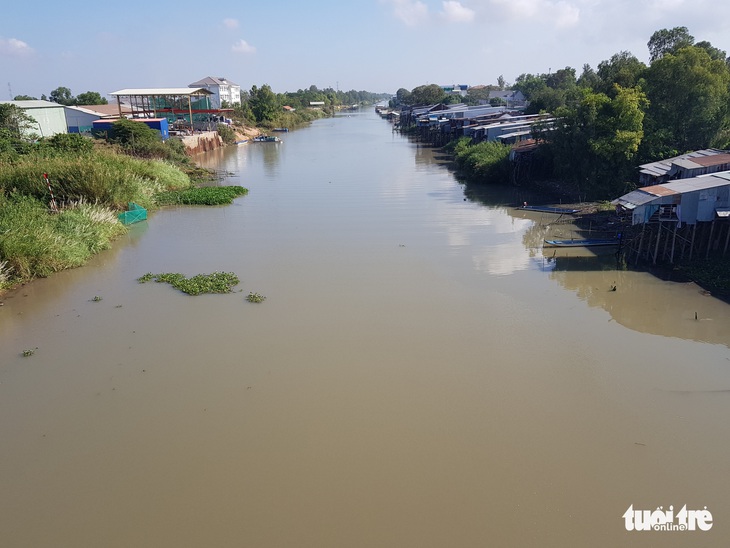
<point>100,177</point>
<point>35,243</point>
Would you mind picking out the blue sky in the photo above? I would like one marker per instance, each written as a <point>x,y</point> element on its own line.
<point>371,45</point>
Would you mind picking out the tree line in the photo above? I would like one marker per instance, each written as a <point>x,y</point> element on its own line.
<point>624,113</point>
<point>62,95</point>
<point>261,106</point>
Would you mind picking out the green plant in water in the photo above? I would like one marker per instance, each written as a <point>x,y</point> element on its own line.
<point>29,352</point>
<point>206,195</point>
<point>96,298</point>
<point>217,282</point>
<point>255,297</point>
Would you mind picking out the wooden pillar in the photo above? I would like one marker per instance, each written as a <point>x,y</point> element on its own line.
<point>674,241</point>
<point>641,242</point>
<point>658,238</point>
<point>727,239</point>
<point>692,243</point>
<point>709,240</point>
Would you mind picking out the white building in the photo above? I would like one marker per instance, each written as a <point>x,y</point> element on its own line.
<point>50,117</point>
<point>224,91</point>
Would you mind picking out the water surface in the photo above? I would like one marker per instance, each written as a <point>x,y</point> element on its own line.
<point>421,374</point>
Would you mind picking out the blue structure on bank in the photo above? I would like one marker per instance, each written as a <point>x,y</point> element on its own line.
<point>160,124</point>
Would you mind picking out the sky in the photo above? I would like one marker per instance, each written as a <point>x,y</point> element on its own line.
<point>378,46</point>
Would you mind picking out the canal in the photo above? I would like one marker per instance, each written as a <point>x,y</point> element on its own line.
<point>421,373</point>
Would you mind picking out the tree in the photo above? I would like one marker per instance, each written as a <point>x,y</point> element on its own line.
<point>430,94</point>
<point>264,104</point>
<point>588,78</point>
<point>622,68</point>
<point>688,92</point>
<point>403,97</point>
<point>24,98</point>
<point>16,123</point>
<point>62,96</point>
<point>501,83</point>
<point>90,98</point>
<point>712,51</point>
<point>668,41</point>
<point>594,144</point>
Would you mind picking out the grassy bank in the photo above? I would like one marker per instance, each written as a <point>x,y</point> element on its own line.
<point>35,243</point>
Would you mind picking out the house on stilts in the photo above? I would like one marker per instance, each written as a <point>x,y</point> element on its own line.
<point>680,219</point>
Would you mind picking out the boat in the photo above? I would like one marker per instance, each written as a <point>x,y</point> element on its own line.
<point>282,129</point>
<point>548,209</point>
<point>266,139</point>
<point>242,142</point>
<point>582,242</point>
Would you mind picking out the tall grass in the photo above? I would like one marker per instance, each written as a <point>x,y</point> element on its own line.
<point>36,243</point>
<point>102,176</point>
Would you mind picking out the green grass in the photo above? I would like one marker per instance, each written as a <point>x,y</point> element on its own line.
<point>217,282</point>
<point>207,195</point>
<point>35,243</point>
<point>102,176</point>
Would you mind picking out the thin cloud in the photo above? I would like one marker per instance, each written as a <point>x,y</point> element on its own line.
<point>230,23</point>
<point>456,12</point>
<point>242,47</point>
<point>560,13</point>
<point>14,47</point>
<point>409,12</point>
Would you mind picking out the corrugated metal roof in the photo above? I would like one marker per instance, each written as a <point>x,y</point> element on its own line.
<point>715,160</point>
<point>35,103</point>
<point>634,199</point>
<point>703,182</point>
<point>659,190</point>
<point>146,92</point>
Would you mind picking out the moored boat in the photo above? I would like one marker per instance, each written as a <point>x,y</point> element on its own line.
<point>266,139</point>
<point>549,209</point>
<point>582,242</point>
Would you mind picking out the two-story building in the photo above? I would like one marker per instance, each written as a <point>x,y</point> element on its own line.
<point>224,91</point>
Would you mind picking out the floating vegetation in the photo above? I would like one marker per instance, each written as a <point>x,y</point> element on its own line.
<point>29,352</point>
<point>96,298</point>
<point>255,297</point>
<point>217,282</point>
<point>206,195</point>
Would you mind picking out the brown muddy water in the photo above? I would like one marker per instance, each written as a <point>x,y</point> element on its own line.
<point>421,374</point>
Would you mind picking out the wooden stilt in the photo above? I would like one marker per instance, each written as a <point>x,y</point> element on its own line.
<point>674,241</point>
<point>727,239</point>
<point>692,243</point>
<point>709,240</point>
<point>658,239</point>
<point>641,242</point>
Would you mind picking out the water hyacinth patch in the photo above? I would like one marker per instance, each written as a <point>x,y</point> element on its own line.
<point>207,195</point>
<point>255,297</point>
<point>217,282</point>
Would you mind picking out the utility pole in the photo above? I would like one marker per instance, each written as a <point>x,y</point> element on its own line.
<point>10,91</point>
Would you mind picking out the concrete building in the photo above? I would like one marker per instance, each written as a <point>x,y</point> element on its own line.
<point>224,91</point>
<point>50,117</point>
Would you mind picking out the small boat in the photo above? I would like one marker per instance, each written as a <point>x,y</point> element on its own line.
<point>581,243</point>
<point>266,139</point>
<point>548,209</point>
<point>282,129</point>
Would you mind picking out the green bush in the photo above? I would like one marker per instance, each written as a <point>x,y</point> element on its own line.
<point>485,162</point>
<point>227,134</point>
